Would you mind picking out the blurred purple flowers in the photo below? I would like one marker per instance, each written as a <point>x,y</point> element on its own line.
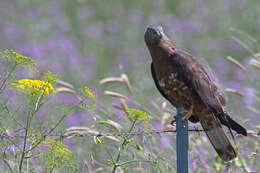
<point>84,42</point>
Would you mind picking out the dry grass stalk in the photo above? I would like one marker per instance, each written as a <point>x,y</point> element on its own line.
<point>255,110</point>
<point>255,63</point>
<point>124,77</point>
<point>234,61</point>
<point>110,80</point>
<point>257,55</point>
<point>76,128</point>
<point>241,43</point>
<point>81,131</point>
<point>124,105</point>
<point>166,118</point>
<point>252,133</point>
<point>68,90</point>
<point>156,107</point>
<point>257,127</point>
<point>233,91</point>
<point>64,89</point>
<point>59,82</point>
<point>114,94</point>
<point>117,107</point>
<point>115,124</point>
<point>246,121</point>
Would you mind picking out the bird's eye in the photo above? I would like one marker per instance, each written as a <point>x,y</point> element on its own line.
<point>148,30</point>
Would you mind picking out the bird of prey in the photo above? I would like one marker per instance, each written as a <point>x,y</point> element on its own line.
<point>184,82</point>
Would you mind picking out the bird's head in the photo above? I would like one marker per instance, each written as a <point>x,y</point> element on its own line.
<point>153,35</point>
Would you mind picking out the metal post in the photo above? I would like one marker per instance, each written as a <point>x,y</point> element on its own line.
<point>182,143</point>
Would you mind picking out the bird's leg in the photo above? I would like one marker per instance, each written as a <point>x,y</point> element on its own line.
<point>188,113</point>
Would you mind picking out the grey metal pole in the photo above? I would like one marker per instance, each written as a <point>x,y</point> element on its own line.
<point>182,143</point>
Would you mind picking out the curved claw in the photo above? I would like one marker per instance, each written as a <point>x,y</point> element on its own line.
<point>188,113</point>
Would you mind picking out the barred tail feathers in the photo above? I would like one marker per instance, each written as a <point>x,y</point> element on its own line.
<point>218,137</point>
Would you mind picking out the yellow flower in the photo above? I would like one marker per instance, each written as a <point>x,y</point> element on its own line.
<point>89,93</point>
<point>138,115</point>
<point>57,148</point>
<point>6,51</point>
<point>18,58</point>
<point>34,87</point>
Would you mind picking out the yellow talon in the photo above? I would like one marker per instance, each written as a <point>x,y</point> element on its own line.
<point>188,113</point>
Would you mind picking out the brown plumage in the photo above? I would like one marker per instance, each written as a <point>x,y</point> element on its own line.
<point>185,83</point>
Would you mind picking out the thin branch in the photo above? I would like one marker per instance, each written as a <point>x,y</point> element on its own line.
<point>11,115</point>
<point>122,147</point>
<point>6,78</point>
<point>8,165</point>
<point>53,128</point>
<point>28,122</point>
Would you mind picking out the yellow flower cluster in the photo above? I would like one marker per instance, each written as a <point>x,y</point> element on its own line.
<point>138,115</point>
<point>34,87</point>
<point>19,59</point>
<point>89,93</point>
<point>60,151</point>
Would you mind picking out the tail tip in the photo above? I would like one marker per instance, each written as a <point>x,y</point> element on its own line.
<point>243,132</point>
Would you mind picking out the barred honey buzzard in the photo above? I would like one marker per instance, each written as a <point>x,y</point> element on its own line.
<point>185,83</point>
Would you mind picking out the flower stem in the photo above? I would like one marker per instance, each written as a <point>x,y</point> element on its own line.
<point>52,168</point>
<point>28,122</point>
<point>122,147</point>
<point>24,143</point>
<point>53,128</point>
<point>6,78</point>
<point>8,165</point>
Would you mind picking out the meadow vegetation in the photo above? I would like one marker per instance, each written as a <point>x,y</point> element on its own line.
<point>76,92</point>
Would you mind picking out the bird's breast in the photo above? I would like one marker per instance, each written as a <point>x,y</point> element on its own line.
<point>176,89</point>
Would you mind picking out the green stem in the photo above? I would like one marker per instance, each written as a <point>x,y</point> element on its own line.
<point>122,147</point>
<point>27,164</point>
<point>8,165</point>
<point>29,118</point>
<point>110,155</point>
<point>50,131</point>
<point>53,128</point>
<point>11,115</point>
<point>52,168</point>
<point>24,143</point>
<point>240,160</point>
<point>28,122</point>
<point>6,78</point>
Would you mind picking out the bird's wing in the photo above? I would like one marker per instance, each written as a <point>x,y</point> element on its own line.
<point>194,75</point>
<point>212,128</point>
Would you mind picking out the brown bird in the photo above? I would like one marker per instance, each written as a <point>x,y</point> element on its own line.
<point>185,83</point>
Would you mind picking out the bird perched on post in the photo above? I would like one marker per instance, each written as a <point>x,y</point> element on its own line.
<point>185,83</point>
